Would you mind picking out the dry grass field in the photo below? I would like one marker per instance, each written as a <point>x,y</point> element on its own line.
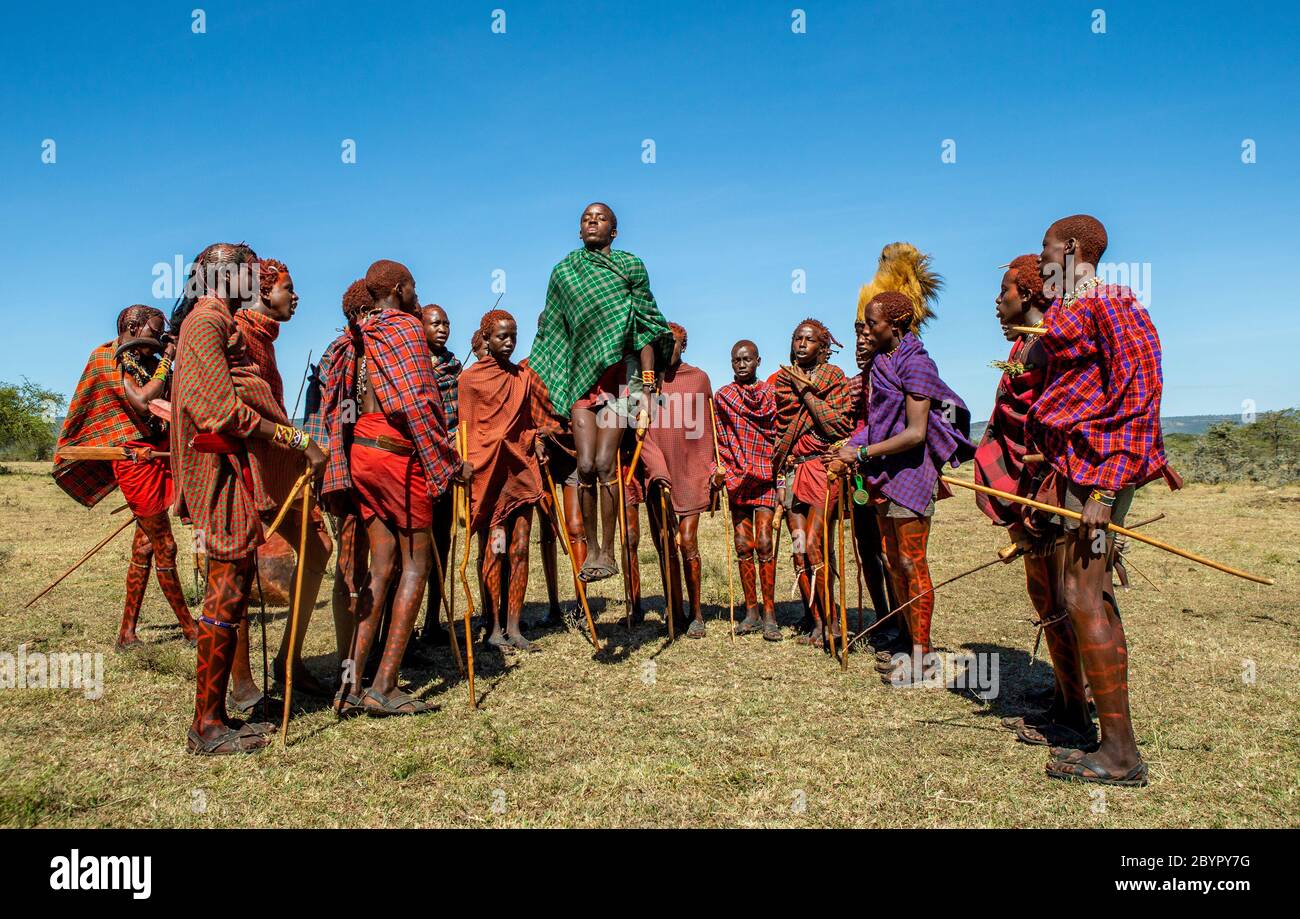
<point>697,733</point>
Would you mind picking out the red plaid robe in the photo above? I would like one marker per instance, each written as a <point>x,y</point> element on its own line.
<point>999,459</point>
<point>809,431</point>
<point>98,416</point>
<point>212,392</point>
<point>397,354</point>
<point>259,333</point>
<point>1098,419</point>
<point>746,435</point>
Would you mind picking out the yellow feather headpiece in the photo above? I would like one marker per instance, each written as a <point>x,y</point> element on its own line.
<point>905,269</point>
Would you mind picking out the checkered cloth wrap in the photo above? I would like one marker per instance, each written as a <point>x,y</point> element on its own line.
<point>446,369</point>
<point>1098,419</point>
<point>598,308</point>
<point>826,421</point>
<point>746,434</point>
<point>98,416</point>
<point>404,385</point>
<point>313,416</point>
<point>214,392</point>
<point>259,334</point>
<point>909,478</point>
<point>999,458</point>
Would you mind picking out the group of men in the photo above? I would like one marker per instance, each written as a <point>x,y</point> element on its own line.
<point>404,444</point>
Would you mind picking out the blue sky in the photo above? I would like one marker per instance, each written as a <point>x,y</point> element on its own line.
<point>775,151</point>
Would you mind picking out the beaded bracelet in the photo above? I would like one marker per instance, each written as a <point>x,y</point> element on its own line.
<point>1102,498</point>
<point>864,453</point>
<point>164,367</point>
<point>289,437</point>
<point>647,377</point>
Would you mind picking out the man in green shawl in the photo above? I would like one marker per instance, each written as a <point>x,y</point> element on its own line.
<point>599,328</point>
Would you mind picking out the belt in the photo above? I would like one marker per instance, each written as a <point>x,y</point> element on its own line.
<point>388,444</point>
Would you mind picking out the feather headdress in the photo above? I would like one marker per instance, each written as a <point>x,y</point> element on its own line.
<point>905,269</point>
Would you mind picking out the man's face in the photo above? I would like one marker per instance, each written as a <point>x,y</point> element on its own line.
<point>744,362</point>
<point>805,345</point>
<point>596,227</point>
<point>1010,306</point>
<point>501,340</point>
<point>863,348</point>
<point>282,301</point>
<point>437,327</point>
<point>880,331</point>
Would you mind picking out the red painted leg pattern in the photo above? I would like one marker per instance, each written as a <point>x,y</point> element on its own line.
<point>137,580</point>
<point>164,549</point>
<point>913,536</point>
<point>225,604</point>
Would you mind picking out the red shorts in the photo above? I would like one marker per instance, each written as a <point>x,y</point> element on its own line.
<point>147,486</point>
<point>605,389</point>
<point>390,487</point>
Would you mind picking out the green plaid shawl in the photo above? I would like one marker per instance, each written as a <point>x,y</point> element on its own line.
<point>598,308</point>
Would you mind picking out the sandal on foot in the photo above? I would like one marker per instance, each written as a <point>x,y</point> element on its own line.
<point>1087,770</point>
<point>388,706</point>
<point>772,632</point>
<point>1052,734</point>
<point>696,629</point>
<point>231,740</point>
<point>749,625</point>
<point>347,705</point>
<point>592,572</point>
<point>245,705</point>
<point>265,728</point>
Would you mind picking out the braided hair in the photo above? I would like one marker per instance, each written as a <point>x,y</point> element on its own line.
<point>135,316</point>
<point>823,335</point>
<point>214,262</point>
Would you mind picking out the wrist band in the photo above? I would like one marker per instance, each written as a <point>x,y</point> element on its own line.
<point>864,454</point>
<point>1102,498</point>
<point>289,437</point>
<point>648,377</point>
<point>164,367</point>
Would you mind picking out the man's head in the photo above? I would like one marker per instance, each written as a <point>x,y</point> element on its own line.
<point>745,361</point>
<point>437,327</point>
<point>679,343</point>
<point>225,271</point>
<point>598,227</point>
<point>1072,248</point>
<point>356,300</point>
<point>140,321</point>
<point>276,297</point>
<point>499,333</point>
<point>391,286</point>
<point>888,318</point>
<point>810,344</point>
<point>1021,293</point>
<point>863,348</point>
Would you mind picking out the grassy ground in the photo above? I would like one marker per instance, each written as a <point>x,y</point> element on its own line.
<point>700,733</point>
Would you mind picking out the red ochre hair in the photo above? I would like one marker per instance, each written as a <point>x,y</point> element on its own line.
<point>356,299</point>
<point>896,307</point>
<point>679,332</point>
<point>490,319</point>
<point>383,276</point>
<point>269,271</point>
<point>1024,269</point>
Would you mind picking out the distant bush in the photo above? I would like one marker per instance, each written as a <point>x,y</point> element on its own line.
<point>27,421</point>
<point>1266,451</point>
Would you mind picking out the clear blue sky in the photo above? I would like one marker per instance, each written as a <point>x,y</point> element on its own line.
<point>775,151</point>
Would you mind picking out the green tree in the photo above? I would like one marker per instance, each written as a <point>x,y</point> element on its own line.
<point>27,413</point>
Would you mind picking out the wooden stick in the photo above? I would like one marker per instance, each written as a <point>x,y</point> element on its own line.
<point>1029,329</point>
<point>622,535</point>
<point>462,490</point>
<point>293,616</point>
<point>1032,458</point>
<point>636,454</point>
<point>142,454</point>
<point>99,545</point>
<point>442,591</point>
<point>726,510</point>
<point>288,502</point>
<point>301,386</point>
<point>844,609</point>
<point>1114,528</point>
<point>561,525</point>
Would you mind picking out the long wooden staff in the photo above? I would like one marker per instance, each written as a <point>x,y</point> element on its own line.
<point>827,628</point>
<point>562,533</point>
<point>1114,528</point>
<point>667,562</point>
<point>294,614</point>
<point>462,490</point>
<point>726,509</point>
<point>288,502</point>
<point>622,536</point>
<point>81,561</point>
<point>442,581</point>
<point>844,608</point>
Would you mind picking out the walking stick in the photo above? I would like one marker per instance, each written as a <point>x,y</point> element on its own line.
<point>667,562</point>
<point>726,514</point>
<point>464,581</point>
<point>1112,527</point>
<point>293,616</point>
<point>442,592</point>
<point>844,609</point>
<point>99,545</point>
<point>561,526</point>
<point>622,537</point>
